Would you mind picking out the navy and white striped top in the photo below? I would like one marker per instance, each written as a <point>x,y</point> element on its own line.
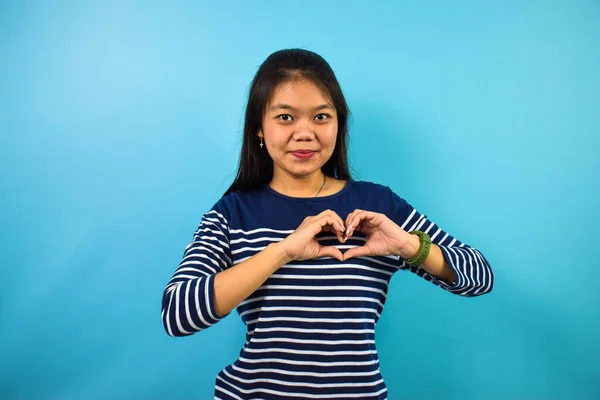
<point>311,325</point>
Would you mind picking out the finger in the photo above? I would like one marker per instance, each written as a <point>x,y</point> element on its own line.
<point>332,221</point>
<point>336,231</point>
<point>326,224</point>
<point>339,232</point>
<point>321,224</point>
<point>330,213</point>
<point>330,251</point>
<point>355,220</point>
<point>340,236</point>
<point>341,225</point>
<point>354,252</point>
<point>349,219</point>
<point>360,218</point>
<point>324,212</point>
<point>358,227</point>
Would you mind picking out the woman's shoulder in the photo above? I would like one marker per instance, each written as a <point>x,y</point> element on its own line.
<point>368,184</point>
<point>372,187</point>
<point>379,193</point>
<point>233,201</point>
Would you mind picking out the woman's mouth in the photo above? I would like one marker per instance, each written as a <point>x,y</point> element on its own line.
<point>303,154</point>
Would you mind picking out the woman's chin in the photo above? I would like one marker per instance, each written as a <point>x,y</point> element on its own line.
<point>303,172</point>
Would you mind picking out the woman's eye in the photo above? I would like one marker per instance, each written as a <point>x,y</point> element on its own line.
<point>285,117</point>
<point>323,117</point>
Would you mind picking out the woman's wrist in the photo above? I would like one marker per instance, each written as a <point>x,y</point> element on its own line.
<point>411,247</point>
<point>280,254</point>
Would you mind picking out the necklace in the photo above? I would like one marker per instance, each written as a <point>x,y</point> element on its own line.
<point>324,180</point>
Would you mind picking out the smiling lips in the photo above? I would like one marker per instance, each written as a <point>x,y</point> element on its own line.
<point>303,154</point>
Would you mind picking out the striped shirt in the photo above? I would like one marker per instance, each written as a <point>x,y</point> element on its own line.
<point>311,325</point>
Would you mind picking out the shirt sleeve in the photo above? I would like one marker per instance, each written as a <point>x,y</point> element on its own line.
<point>473,272</point>
<point>188,304</point>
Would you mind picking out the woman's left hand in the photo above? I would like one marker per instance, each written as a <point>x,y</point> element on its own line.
<point>384,237</point>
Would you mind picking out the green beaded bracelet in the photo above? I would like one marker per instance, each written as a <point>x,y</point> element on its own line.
<point>424,248</point>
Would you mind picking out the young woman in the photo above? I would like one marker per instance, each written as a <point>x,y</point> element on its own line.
<point>304,252</point>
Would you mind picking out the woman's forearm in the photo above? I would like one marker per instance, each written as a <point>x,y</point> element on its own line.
<point>235,284</point>
<point>435,263</point>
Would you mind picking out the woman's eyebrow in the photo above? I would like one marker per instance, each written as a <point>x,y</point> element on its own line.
<point>288,107</point>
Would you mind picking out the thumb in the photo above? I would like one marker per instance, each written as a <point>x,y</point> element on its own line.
<point>331,251</point>
<point>356,252</point>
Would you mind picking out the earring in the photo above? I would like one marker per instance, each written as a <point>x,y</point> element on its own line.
<point>261,143</point>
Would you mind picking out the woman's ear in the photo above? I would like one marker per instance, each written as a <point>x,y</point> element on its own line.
<point>261,138</point>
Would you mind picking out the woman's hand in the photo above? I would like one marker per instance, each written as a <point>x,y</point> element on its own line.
<point>302,244</point>
<point>384,237</point>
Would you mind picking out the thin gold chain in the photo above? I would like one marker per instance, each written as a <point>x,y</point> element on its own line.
<point>323,185</point>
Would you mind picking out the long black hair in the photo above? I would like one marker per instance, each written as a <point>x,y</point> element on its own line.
<point>255,167</point>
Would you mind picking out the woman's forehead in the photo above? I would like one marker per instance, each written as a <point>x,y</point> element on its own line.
<point>299,94</point>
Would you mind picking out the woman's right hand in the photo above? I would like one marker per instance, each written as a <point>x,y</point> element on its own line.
<point>302,244</point>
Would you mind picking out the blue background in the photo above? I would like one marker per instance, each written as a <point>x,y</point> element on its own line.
<point>121,125</point>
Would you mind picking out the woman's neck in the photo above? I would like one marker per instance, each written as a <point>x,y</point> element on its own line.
<point>308,186</point>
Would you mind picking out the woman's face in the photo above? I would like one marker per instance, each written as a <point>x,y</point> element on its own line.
<point>299,128</point>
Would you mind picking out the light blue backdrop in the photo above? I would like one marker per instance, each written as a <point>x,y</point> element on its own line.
<point>121,125</point>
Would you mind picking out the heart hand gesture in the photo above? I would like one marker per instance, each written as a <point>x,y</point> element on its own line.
<point>384,237</point>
